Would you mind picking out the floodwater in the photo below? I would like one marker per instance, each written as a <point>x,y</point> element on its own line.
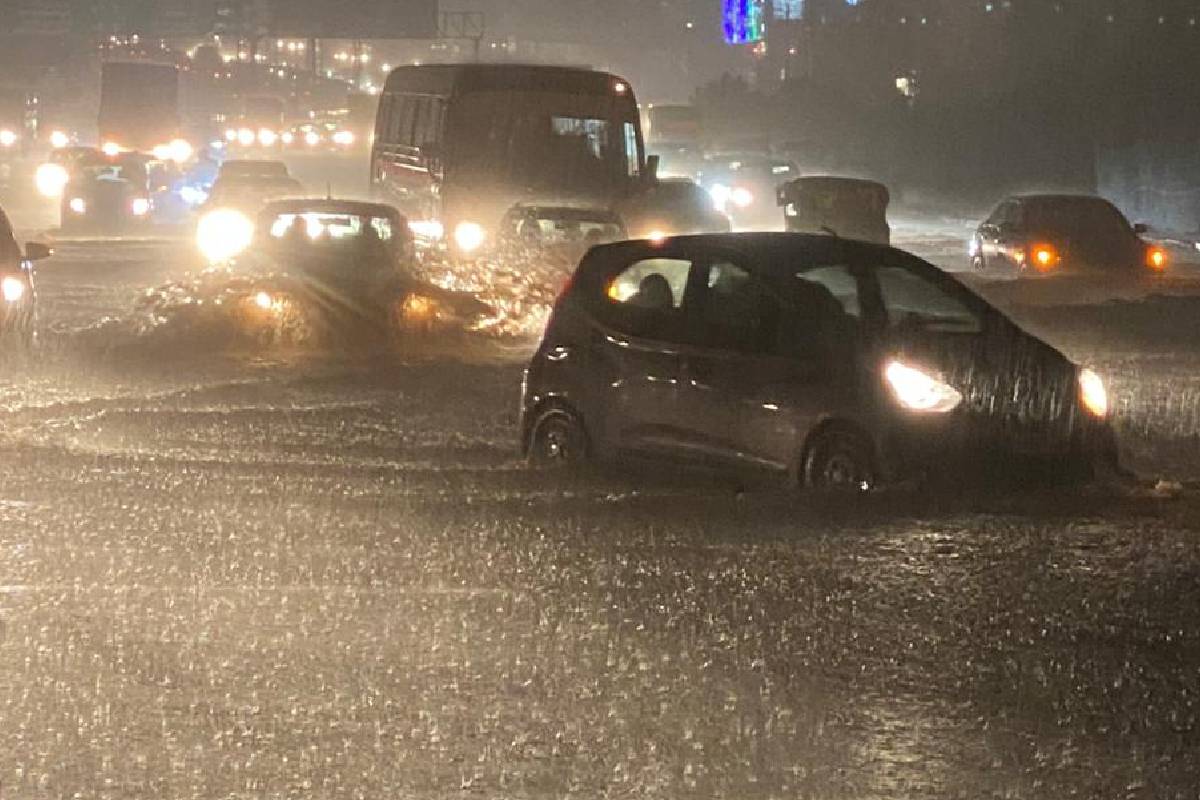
<point>269,571</point>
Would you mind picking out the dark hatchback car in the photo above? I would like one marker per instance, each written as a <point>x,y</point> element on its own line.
<point>830,361</point>
<point>1055,234</point>
<point>108,194</point>
<point>18,300</point>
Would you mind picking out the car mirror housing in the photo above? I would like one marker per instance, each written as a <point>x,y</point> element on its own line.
<point>1141,228</point>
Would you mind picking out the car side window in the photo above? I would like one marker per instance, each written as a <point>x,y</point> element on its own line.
<point>840,282</point>
<point>913,302</point>
<point>646,298</point>
<point>740,311</point>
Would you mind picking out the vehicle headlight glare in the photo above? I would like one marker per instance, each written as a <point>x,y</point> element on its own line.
<point>7,138</point>
<point>13,289</point>
<point>267,137</point>
<point>264,301</point>
<point>312,139</point>
<point>741,197</point>
<point>914,390</point>
<point>469,236</point>
<point>344,138</point>
<point>180,151</point>
<point>59,140</point>
<point>223,234</point>
<point>288,137</point>
<point>51,179</point>
<point>1092,393</point>
<point>720,195</point>
<point>245,137</point>
<point>78,205</point>
<point>140,206</point>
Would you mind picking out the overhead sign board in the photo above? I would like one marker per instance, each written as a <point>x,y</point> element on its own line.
<point>353,19</point>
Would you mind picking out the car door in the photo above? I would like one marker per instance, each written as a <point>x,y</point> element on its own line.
<point>757,380</point>
<point>644,325</point>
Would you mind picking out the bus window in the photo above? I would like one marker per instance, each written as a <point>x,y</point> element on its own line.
<point>430,111</point>
<point>632,167</point>
<point>594,132</point>
<point>401,116</point>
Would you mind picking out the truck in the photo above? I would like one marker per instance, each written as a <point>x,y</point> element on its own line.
<point>139,106</point>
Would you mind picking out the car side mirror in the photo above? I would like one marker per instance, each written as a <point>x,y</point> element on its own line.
<point>1141,228</point>
<point>36,251</point>
<point>652,163</point>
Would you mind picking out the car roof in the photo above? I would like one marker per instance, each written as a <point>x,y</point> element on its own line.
<point>328,206</point>
<point>247,166</point>
<point>1059,198</point>
<point>763,246</point>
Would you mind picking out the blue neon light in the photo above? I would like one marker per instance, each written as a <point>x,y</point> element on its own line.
<point>743,21</point>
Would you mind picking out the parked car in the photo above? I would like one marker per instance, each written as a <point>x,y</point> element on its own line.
<point>18,298</point>
<point>828,361</point>
<point>851,208</point>
<point>1055,234</point>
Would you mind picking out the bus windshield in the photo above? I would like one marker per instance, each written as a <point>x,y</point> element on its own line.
<point>543,140</point>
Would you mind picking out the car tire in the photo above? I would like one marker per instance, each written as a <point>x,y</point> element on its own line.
<point>558,440</point>
<point>841,459</point>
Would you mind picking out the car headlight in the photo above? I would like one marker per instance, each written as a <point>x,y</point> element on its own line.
<point>288,137</point>
<point>741,197</point>
<point>12,288</point>
<point>223,234</point>
<point>111,149</point>
<point>78,205</point>
<point>719,193</point>
<point>1092,393</point>
<point>245,137</point>
<point>344,138</point>
<point>51,179</point>
<point>140,206</point>
<point>469,236</point>
<point>7,138</point>
<point>312,139</point>
<point>267,137</point>
<point>917,391</point>
<point>231,135</point>
<point>59,140</point>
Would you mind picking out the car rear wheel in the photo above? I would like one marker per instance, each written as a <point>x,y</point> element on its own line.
<point>840,459</point>
<point>558,440</point>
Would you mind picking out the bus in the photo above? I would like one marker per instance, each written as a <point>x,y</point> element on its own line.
<point>139,105</point>
<point>458,145</point>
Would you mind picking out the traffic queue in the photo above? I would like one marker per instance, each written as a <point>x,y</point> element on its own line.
<point>864,364</point>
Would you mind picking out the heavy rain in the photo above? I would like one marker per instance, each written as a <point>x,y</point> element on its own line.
<point>507,398</point>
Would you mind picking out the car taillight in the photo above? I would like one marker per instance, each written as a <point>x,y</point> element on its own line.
<point>1156,258</point>
<point>1044,257</point>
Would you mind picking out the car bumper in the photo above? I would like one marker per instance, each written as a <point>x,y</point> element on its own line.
<point>962,444</point>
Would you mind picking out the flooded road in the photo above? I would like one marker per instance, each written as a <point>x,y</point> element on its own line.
<point>277,573</point>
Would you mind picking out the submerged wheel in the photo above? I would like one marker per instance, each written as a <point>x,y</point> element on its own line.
<point>840,459</point>
<point>558,440</point>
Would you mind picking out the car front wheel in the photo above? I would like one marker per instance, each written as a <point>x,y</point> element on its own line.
<point>558,440</point>
<point>840,459</point>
